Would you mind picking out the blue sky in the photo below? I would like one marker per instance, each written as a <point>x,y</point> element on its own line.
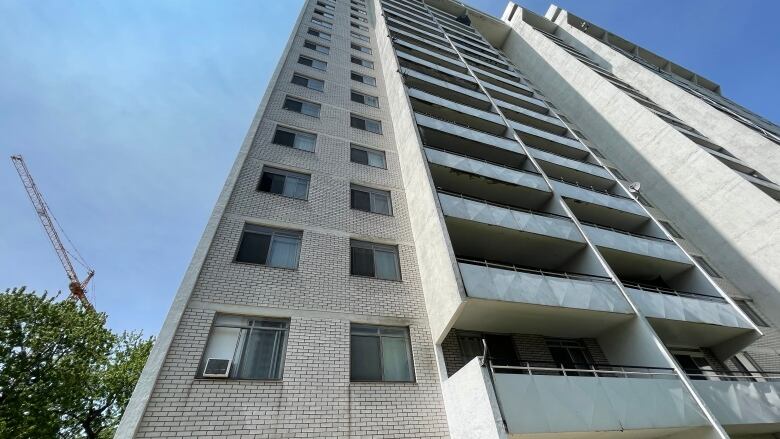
<point>130,113</point>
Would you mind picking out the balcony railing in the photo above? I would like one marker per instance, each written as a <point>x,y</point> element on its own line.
<point>537,271</point>
<point>465,126</point>
<point>672,292</point>
<point>584,370</point>
<point>589,187</point>
<point>623,232</point>
<point>728,375</point>
<point>471,157</point>
<point>503,206</point>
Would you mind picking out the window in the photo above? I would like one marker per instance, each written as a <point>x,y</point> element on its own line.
<point>367,156</point>
<point>271,247</point>
<point>370,200</point>
<point>255,346</point>
<point>305,81</point>
<point>285,183</point>
<point>295,139</point>
<point>363,98</point>
<point>570,354</point>
<point>303,107</point>
<point>501,349</point>
<point>362,62</point>
<point>694,363</point>
<point>360,48</point>
<point>358,18</point>
<point>374,260</point>
<point>380,353</point>
<point>360,36</point>
<point>326,5</point>
<point>359,11</point>
<point>705,266</point>
<point>364,79</point>
<point>672,231</point>
<point>747,307</point>
<point>366,124</point>
<point>323,23</point>
<point>311,62</point>
<point>358,26</point>
<point>317,47</point>
<point>324,35</point>
<point>323,13</point>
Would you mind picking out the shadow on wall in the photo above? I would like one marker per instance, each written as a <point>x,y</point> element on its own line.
<point>617,146</point>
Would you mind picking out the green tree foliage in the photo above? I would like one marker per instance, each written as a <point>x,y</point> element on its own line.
<point>63,374</point>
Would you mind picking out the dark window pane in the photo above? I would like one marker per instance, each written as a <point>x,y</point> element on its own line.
<point>358,156</point>
<point>284,138</point>
<point>365,364</point>
<point>357,97</point>
<point>360,200</point>
<point>356,77</point>
<point>253,248</point>
<point>292,105</point>
<point>300,80</point>
<point>357,122</point>
<point>501,349</point>
<point>309,45</point>
<point>271,182</point>
<point>305,61</point>
<point>362,261</point>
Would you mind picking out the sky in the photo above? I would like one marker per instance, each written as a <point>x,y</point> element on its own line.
<point>129,115</point>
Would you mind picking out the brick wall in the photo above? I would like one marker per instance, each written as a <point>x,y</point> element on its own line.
<point>315,397</point>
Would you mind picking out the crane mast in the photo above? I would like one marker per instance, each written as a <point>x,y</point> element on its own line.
<point>77,287</point>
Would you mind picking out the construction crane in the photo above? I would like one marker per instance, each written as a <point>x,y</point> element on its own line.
<point>77,288</point>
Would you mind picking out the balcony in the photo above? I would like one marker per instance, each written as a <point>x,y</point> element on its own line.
<point>460,114</point>
<point>431,56</point>
<point>555,143</point>
<point>744,404</point>
<point>508,283</point>
<point>484,179</point>
<point>409,61</point>
<point>441,49</point>
<point>593,195</point>
<point>633,243</point>
<point>535,119</point>
<point>558,166</point>
<point>468,140</point>
<point>516,98</point>
<point>629,403</point>
<point>511,84</point>
<point>522,220</point>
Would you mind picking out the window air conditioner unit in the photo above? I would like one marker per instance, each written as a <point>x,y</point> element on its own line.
<point>217,368</point>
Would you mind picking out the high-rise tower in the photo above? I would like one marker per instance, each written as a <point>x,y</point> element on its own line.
<point>445,224</point>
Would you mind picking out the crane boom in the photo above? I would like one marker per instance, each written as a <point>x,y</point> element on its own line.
<point>77,288</point>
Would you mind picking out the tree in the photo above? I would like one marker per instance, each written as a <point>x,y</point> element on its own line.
<point>63,374</point>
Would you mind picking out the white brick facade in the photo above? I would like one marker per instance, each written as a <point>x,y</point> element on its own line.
<point>315,397</point>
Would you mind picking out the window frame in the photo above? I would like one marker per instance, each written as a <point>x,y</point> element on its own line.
<point>353,116</point>
<point>326,14</point>
<point>379,335</point>
<point>359,36</point>
<point>285,173</point>
<point>295,132</point>
<point>307,78</point>
<point>326,5</point>
<point>324,23</point>
<point>368,151</point>
<point>356,243</point>
<point>304,57</point>
<point>265,230</point>
<point>302,102</point>
<point>319,34</point>
<point>361,48</point>
<point>358,26</point>
<point>236,366</point>
<point>372,192</point>
<point>353,73</point>
<point>317,47</point>
<point>362,62</point>
<point>353,92</point>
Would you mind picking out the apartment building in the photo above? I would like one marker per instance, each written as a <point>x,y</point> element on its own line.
<point>446,224</point>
